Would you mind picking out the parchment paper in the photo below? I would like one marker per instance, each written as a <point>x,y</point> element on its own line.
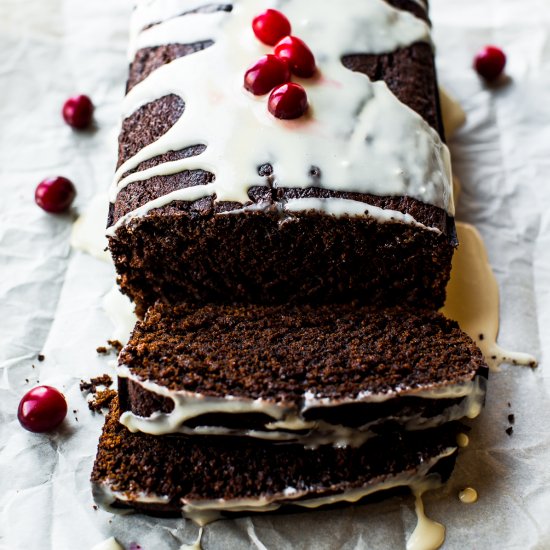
<point>51,296</point>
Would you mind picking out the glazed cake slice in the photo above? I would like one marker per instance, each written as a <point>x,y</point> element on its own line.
<point>312,374</point>
<point>200,477</point>
<point>215,200</point>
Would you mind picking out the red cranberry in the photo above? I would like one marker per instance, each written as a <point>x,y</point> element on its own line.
<point>78,111</point>
<point>298,55</point>
<point>55,195</point>
<point>42,409</point>
<point>269,71</point>
<point>270,26</point>
<point>490,62</point>
<point>288,101</point>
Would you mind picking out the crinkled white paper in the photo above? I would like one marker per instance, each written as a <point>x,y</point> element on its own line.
<point>51,296</point>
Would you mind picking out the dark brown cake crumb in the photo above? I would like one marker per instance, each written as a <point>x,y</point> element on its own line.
<point>511,418</point>
<point>212,468</point>
<point>41,357</point>
<point>92,385</point>
<point>115,344</point>
<point>101,400</point>
<point>509,430</point>
<point>267,352</point>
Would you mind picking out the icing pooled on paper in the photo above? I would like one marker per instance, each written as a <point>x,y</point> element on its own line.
<point>88,233</point>
<point>357,133</point>
<point>462,440</point>
<point>468,495</point>
<point>428,534</point>
<point>473,299</point>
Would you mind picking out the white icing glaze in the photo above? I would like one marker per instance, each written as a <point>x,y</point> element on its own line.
<point>204,517</point>
<point>108,544</point>
<point>338,208</point>
<point>357,132</point>
<point>346,207</point>
<point>193,27</point>
<point>196,545</point>
<point>105,497</point>
<point>316,433</point>
<point>473,299</point>
<point>88,232</point>
<point>468,495</point>
<point>150,12</point>
<point>120,311</point>
<point>452,113</point>
<point>428,534</point>
<point>286,418</point>
<point>457,187</point>
<point>445,391</point>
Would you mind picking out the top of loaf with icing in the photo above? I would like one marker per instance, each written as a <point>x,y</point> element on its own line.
<point>357,134</point>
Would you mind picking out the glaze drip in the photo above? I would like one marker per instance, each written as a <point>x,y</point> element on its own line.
<point>288,423</point>
<point>359,135</point>
<point>473,299</point>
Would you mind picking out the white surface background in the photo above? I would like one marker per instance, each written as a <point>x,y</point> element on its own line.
<point>51,297</point>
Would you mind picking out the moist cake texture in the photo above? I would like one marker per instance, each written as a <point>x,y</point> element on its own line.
<point>343,364</point>
<point>166,474</point>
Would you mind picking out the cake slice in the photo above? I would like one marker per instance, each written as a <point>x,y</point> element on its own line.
<point>199,477</point>
<point>215,200</point>
<point>312,374</point>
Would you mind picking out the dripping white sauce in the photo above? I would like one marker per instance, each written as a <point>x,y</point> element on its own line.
<point>289,417</point>
<point>196,545</point>
<point>357,133</point>
<point>428,534</point>
<point>473,299</point>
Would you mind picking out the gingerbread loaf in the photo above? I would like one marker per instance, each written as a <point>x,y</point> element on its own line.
<point>287,265</point>
<point>377,226</point>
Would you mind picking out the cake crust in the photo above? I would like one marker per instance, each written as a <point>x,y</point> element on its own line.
<point>163,474</point>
